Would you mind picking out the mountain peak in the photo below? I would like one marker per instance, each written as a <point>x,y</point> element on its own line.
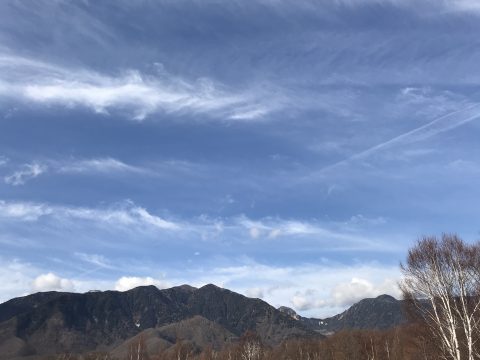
<point>144,287</point>
<point>185,287</point>
<point>106,319</point>
<point>211,287</point>
<point>289,311</point>
<point>386,297</point>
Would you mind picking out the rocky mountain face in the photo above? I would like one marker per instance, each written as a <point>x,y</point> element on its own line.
<point>52,322</point>
<point>380,313</point>
<point>55,322</point>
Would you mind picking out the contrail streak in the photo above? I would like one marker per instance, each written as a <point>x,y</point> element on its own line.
<point>442,124</point>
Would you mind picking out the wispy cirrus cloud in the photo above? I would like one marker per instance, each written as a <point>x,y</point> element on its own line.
<point>123,215</point>
<point>98,165</point>
<point>25,173</point>
<point>139,94</point>
<point>340,235</point>
<point>3,160</point>
<point>439,125</point>
<point>463,5</point>
<point>104,166</point>
<point>109,165</point>
<point>23,211</point>
<point>94,259</point>
<point>434,5</point>
<point>127,217</point>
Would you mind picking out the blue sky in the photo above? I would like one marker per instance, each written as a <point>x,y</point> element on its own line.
<point>288,150</point>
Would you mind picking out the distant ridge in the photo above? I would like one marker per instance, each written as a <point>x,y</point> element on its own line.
<point>56,322</point>
<point>380,313</point>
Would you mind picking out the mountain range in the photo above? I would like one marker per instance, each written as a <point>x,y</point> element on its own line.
<point>56,322</point>
<point>380,313</point>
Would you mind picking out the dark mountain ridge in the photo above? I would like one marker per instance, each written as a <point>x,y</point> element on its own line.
<point>47,323</point>
<point>57,322</point>
<point>380,313</point>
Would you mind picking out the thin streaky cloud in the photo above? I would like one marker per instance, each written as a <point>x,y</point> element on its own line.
<point>464,5</point>
<point>94,259</point>
<point>98,165</point>
<point>101,166</point>
<point>442,124</point>
<point>26,173</point>
<point>272,229</point>
<point>437,126</point>
<point>109,165</point>
<point>99,263</point>
<point>123,215</point>
<point>436,7</point>
<point>140,221</point>
<point>140,94</point>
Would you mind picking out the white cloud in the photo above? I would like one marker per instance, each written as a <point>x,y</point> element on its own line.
<point>435,6</point>
<point>124,215</point>
<point>301,302</point>
<point>464,167</point>
<point>94,259</point>
<point>447,122</point>
<point>254,232</point>
<point>140,94</point>
<point>23,210</point>
<point>345,235</point>
<point>3,160</point>
<point>111,166</point>
<point>153,220</point>
<point>249,113</point>
<point>52,282</point>
<point>426,102</point>
<point>102,166</point>
<point>129,282</point>
<point>97,165</point>
<point>315,290</point>
<point>20,278</point>
<point>15,277</point>
<point>464,5</point>
<point>346,293</point>
<point>273,228</point>
<point>421,7</point>
<point>27,172</point>
<point>255,293</point>
<point>134,219</point>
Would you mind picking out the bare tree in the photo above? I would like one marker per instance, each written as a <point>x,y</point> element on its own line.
<point>137,350</point>
<point>183,350</point>
<point>250,347</point>
<point>442,281</point>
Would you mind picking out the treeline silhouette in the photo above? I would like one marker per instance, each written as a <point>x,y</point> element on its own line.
<point>406,342</point>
